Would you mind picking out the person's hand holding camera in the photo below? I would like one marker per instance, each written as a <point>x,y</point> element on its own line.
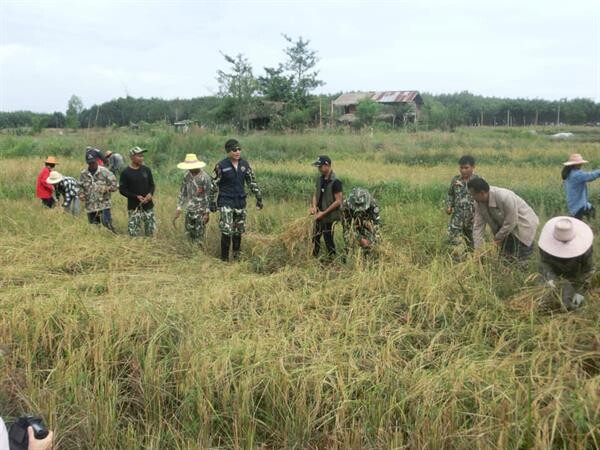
<point>39,444</point>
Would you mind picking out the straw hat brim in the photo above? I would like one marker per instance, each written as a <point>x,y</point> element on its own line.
<point>583,240</point>
<point>191,165</point>
<point>575,163</point>
<point>58,179</point>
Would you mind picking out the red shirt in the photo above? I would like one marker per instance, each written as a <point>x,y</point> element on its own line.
<point>43,189</point>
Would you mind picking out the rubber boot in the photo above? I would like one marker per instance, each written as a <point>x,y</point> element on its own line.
<point>225,242</point>
<point>237,243</point>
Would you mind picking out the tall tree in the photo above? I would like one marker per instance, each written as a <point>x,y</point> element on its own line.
<point>74,108</point>
<point>240,85</point>
<point>301,63</point>
<point>275,85</point>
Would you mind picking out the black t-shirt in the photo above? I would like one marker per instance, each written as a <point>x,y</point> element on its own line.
<point>335,188</point>
<point>134,182</point>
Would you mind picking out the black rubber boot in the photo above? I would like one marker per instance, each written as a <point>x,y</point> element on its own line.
<point>225,242</point>
<point>237,243</point>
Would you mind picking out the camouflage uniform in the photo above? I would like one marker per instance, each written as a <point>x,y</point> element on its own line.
<point>140,216</point>
<point>195,194</point>
<point>463,210</point>
<point>95,191</point>
<point>232,203</point>
<point>360,217</point>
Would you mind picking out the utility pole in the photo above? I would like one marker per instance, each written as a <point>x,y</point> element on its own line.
<point>320,112</point>
<point>558,115</point>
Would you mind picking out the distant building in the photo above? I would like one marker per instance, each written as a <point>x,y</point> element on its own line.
<point>183,126</point>
<point>398,105</point>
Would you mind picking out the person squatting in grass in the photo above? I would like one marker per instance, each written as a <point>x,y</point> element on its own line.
<point>360,220</point>
<point>460,205</point>
<point>512,221</point>
<point>68,187</point>
<point>229,176</point>
<point>566,260</point>
<point>136,183</point>
<point>96,185</point>
<point>194,195</point>
<point>325,205</point>
<point>574,183</point>
<point>44,190</point>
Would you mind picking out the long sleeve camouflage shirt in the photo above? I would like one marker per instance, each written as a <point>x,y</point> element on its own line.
<point>458,197</point>
<point>361,224</point>
<point>95,189</point>
<point>195,192</point>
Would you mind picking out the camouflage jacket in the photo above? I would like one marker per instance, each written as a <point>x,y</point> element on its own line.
<point>195,192</point>
<point>361,224</point>
<point>459,198</point>
<point>95,189</point>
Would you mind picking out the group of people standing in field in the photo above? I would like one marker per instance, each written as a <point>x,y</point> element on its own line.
<point>565,242</point>
<point>200,195</point>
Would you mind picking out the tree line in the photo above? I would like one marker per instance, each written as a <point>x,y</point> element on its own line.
<point>282,98</point>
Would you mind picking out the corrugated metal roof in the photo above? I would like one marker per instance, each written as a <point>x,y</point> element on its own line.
<point>352,98</point>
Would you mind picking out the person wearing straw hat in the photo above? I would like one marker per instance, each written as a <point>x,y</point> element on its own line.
<point>566,262</point>
<point>44,190</point>
<point>68,187</point>
<point>574,182</point>
<point>194,195</point>
<point>360,219</point>
<point>96,185</point>
<point>512,221</point>
<point>230,175</point>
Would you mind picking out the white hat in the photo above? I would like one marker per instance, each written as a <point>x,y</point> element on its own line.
<point>565,237</point>
<point>191,162</point>
<point>574,160</point>
<point>54,177</point>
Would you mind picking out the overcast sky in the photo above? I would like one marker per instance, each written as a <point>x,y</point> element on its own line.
<point>100,50</point>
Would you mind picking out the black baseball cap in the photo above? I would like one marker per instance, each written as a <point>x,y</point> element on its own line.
<point>321,160</point>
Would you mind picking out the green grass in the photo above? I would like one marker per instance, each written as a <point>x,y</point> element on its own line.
<point>152,343</point>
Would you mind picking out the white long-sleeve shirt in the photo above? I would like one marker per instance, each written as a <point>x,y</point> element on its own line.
<point>505,213</point>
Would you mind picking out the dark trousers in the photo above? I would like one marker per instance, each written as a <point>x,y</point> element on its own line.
<point>103,217</point>
<point>583,212</point>
<point>513,249</point>
<point>325,230</point>
<point>48,202</point>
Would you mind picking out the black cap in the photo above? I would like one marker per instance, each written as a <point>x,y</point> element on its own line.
<point>321,160</point>
<point>90,157</point>
<point>231,144</point>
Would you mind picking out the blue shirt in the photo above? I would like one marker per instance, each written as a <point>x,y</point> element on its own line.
<point>576,189</point>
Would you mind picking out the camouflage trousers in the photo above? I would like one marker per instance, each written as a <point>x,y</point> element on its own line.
<point>232,221</point>
<point>460,228</point>
<point>194,224</point>
<point>137,217</point>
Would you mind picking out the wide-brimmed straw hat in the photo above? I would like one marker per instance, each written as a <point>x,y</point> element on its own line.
<point>574,160</point>
<point>51,160</point>
<point>54,177</point>
<point>566,237</point>
<point>191,162</point>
